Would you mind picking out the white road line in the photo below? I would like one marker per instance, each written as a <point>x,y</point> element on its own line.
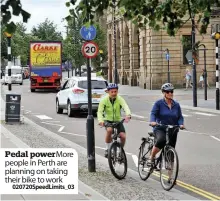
<point>42,117</point>
<point>73,134</point>
<point>27,111</point>
<point>51,123</point>
<point>186,115</point>
<point>205,114</point>
<point>135,115</point>
<point>135,159</point>
<point>61,128</point>
<point>215,138</point>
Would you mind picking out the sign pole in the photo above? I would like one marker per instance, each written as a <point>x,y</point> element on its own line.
<point>90,120</point>
<point>9,61</point>
<point>217,75</point>
<point>194,63</point>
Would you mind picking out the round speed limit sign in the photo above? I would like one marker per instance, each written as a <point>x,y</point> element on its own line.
<point>90,49</point>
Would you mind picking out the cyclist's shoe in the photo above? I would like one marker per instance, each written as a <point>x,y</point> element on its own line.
<point>106,153</point>
<point>170,181</point>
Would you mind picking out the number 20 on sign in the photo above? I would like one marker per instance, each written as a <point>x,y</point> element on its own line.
<point>90,49</point>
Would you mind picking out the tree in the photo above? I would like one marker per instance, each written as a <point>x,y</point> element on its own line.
<point>157,14</point>
<point>6,14</point>
<point>20,43</point>
<point>4,43</point>
<point>47,31</point>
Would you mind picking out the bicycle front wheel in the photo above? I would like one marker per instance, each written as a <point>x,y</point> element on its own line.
<point>144,154</point>
<point>169,168</point>
<point>117,161</point>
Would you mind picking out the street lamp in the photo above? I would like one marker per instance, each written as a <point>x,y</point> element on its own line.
<point>168,64</point>
<point>8,35</point>
<point>205,72</point>
<point>115,53</point>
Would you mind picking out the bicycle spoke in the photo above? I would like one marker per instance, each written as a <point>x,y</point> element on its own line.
<point>117,161</point>
<point>169,168</point>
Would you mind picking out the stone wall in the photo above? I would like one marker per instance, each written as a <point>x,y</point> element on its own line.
<point>141,59</point>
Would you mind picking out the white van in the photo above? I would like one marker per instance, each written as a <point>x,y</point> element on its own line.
<point>16,75</point>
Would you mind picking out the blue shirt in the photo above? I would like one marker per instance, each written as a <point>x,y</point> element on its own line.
<point>162,114</point>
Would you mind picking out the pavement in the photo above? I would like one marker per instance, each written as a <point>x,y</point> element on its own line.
<point>198,147</point>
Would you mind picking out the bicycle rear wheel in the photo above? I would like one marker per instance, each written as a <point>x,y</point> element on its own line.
<point>144,154</point>
<point>116,155</point>
<point>169,168</point>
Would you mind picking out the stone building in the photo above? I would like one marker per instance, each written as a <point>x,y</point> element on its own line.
<point>141,58</point>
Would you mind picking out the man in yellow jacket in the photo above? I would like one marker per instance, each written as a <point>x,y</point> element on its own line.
<point>110,106</point>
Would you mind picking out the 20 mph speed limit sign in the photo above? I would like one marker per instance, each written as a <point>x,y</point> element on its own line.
<point>90,49</point>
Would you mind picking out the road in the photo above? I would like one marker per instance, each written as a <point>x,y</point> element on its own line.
<point>198,147</point>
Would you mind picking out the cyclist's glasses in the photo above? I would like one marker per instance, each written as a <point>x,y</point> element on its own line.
<point>171,91</point>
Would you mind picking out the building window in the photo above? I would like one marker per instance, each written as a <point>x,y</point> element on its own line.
<point>187,45</point>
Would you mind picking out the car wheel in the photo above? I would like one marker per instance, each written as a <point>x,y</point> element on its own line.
<point>21,83</point>
<point>58,109</point>
<point>32,90</point>
<point>69,109</point>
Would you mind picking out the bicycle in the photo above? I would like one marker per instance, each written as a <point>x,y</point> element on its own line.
<point>165,159</point>
<point>116,152</point>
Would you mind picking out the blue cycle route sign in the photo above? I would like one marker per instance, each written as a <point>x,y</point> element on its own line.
<point>167,57</point>
<point>88,33</point>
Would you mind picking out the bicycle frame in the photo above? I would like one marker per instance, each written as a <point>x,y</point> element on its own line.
<point>151,141</point>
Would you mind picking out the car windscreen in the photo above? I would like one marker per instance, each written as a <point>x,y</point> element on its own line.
<point>15,71</point>
<point>96,84</point>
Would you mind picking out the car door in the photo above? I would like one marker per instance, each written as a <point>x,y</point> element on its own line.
<point>62,92</point>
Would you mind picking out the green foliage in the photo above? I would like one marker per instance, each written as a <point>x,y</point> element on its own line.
<point>6,14</point>
<point>155,13</point>
<point>47,30</point>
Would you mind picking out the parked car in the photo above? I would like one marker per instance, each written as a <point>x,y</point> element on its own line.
<point>73,96</point>
<point>16,75</point>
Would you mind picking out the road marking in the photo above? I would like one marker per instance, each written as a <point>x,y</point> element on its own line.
<point>215,138</point>
<point>135,115</point>
<point>205,114</point>
<point>61,128</point>
<point>192,188</point>
<point>73,134</point>
<point>184,185</point>
<point>51,123</point>
<point>27,111</point>
<point>186,115</point>
<point>135,159</point>
<point>43,117</point>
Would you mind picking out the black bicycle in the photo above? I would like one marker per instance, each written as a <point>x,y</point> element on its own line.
<point>116,153</point>
<point>167,160</point>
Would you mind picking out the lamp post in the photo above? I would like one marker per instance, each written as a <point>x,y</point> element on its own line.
<point>8,35</point>
<point>205,72</point>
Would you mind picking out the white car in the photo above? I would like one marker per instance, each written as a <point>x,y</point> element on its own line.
<point>16,75</point>
<point>73,96</point>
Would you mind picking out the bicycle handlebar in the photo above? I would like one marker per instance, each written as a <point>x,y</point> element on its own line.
<point>168,126</point>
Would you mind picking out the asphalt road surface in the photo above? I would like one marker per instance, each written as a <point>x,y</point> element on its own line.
<point>198,147</point>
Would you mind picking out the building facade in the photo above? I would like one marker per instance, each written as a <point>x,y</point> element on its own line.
<point>141,56</point>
